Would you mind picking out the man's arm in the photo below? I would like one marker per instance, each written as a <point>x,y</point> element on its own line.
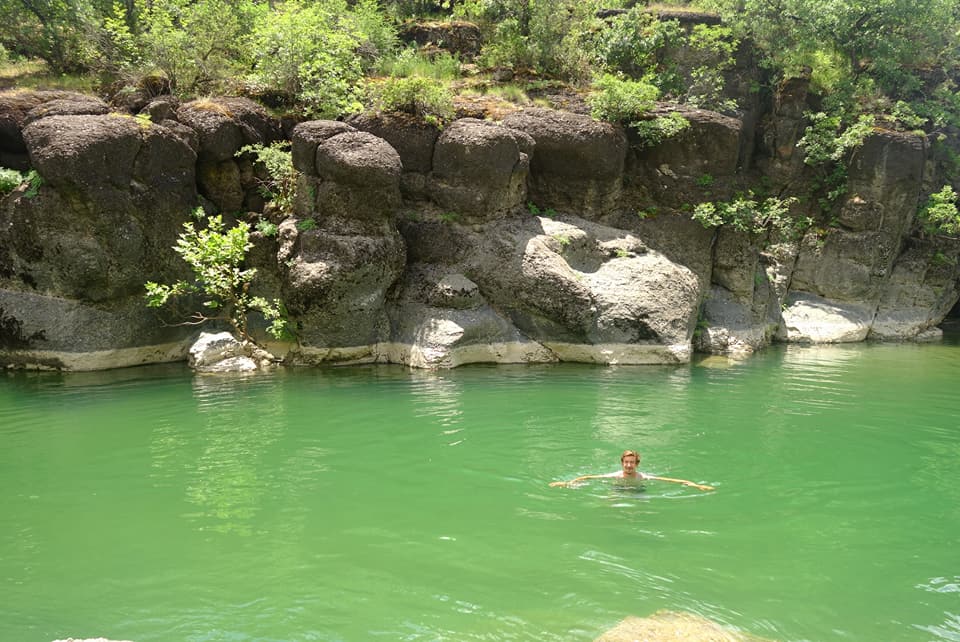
<point>574,481</point>
<point>685,482</point>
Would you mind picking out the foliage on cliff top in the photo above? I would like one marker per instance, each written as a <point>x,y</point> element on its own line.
<point>886,56</point>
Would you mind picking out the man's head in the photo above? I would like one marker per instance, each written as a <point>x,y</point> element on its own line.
<point>630,453</point>
<point>629,460</point>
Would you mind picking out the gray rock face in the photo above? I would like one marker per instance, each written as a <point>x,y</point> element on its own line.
<point>479,170</point>
<point>441,320</point>
<point>588,292</point>
<point>578,162</point>
<point>412,246</point>
<point>114,191</point>
<point>216,129</point>
<point>921,290</point>
<point>413,140</point>
<point>699,164</point>
<point>337,281</point>
<point>75,256</point>
<point>850,268</point>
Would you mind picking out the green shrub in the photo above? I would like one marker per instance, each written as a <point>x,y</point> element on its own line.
<point>747,214</point>
<point>10,179</point>
<point>824,139</point>
<point>55,31</point>
<point>633,43</point>
<point>542,36</point>
<point>198,46</point>
<point>710,50</point>
<point>429,99</point>
<point>655,131</point>
<point>34,181</point>
<point>617,100</point>
<point>940,214</point>
<point>216,255</point>
<point>375,32</point>
<point>308,54</point>
<point>281,185</point>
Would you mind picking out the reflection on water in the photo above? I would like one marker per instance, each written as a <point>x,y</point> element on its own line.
<point>437,398</point>
<point>949,629</point>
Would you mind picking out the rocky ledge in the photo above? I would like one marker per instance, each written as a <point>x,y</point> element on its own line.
<point>546,236</point>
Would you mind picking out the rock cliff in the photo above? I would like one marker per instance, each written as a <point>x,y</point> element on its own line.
<point>546,236</point>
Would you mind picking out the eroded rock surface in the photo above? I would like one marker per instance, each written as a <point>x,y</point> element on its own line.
<point>548,236</point>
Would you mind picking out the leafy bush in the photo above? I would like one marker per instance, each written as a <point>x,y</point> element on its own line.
<point>423,97</point>
<point>825,141</point>
<point>34,181</point>
<point>176,37</point>
<point>747,214</point>
<point>653,132</point>
<point>53,31</point>
<point>940,214</point>
<point>10,179</point>
<point>376,33</point>
<point>216,256</point>
<point>542,36</point>
<point>634,43</point>
<point>309,54</point>
<point>617,100</point>
<point>281,185</point>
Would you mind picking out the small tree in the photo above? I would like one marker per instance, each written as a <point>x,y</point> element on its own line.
<point>940,215</point>
<point>216,255</point>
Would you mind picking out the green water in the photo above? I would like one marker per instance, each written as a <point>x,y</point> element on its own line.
<point>376,503</point>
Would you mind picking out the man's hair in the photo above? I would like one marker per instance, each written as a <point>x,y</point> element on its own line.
<point>627,453</point>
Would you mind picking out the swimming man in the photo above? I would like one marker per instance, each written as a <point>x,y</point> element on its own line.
<point>629,461</point>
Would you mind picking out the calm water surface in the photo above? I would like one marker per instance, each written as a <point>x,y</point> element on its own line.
<point>376,503</point>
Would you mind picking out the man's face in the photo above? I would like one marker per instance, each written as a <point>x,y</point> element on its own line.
<point>629,464</point>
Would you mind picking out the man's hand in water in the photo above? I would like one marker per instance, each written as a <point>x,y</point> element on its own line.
<point>699,486</point>
<point>559,483</point>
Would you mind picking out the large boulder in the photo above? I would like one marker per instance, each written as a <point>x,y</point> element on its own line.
<point>588,292</point>
<point>307,136</point>
<point>457,37</point>
<point>479,171</point>
<point>224,125</point>
<point>357,176</point>
<point>19,107</point>
<point>77,252</point>
<point>578,162</point>
<point>413,140</point>
<point>441,320</point>
<point>221,352</point>
<point>335,286</point>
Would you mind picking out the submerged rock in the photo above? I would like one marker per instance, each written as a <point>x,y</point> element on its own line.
<point>673,626</point>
